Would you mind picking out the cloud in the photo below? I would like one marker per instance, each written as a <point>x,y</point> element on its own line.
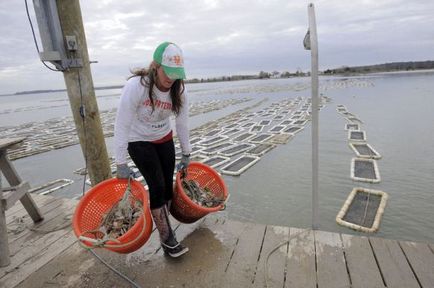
<point>221,37</point>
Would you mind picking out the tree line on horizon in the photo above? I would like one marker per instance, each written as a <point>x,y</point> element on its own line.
<point>385,67</point>
<point>344,70</point>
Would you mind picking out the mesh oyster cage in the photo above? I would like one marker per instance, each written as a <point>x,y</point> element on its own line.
<point>183,208</point>
<point>363,210</point>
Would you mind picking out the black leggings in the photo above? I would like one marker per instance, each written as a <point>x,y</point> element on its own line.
<point>156,162</point>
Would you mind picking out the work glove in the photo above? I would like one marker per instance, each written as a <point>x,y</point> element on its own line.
<point>123,171</point>
<point>185,160</point>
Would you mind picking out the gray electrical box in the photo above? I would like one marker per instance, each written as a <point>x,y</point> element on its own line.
<point>52,37</point>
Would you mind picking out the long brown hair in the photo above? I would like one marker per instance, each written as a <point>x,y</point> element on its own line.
<point>148,78</point>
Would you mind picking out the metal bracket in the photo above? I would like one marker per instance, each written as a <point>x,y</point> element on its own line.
<point>72,63</point>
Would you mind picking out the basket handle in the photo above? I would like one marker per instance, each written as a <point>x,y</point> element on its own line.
<point>224,203</point>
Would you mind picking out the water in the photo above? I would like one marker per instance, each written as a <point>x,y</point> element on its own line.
<point>397,117</point>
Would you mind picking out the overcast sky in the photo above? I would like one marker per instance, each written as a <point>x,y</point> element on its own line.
<point>222,37</point>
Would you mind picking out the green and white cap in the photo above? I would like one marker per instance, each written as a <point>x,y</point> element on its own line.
<point>169,56</point>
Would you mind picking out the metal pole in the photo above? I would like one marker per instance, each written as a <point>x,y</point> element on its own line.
<point>315,108</point>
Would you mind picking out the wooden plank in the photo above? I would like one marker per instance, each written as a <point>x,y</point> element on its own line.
<point>211,246</point>
<point>394,267</point>
<point>18,208</point>
<point>6,143</point>
<point>40,259</point>
<point>421,260</point>
<point>242,266</point>
<point>23,215</point>
<point>68,269</point>
<point>275,270</point>
<point>64,209</point>
<point>362,266</point>
<point>30,249</point>
<point>300,265</point>
<point>331,267</point>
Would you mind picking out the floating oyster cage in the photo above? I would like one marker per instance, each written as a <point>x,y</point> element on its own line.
<point>231,131</point>
<point>230,126</point>
<point>214,140</point>
<point>195,149</point>
<point>364,150</point>
<point>239,165</point>
<point>213,132</point>
<point>199,158</point>
<point>363,210</point>
<point>365,170</point>
<point>216,161</point>
<point>357,136</point>
<point>265,122</point>
<point>248,124</point>
<point>281,138</point>
<point>214,149</point>
<point>277,129</point>
<point>286,122</point>
<point>235,149</point>
<point>300,122</point>
<point>352,126</point>
<point>244,136</point>
<point>261,149</point>
<point>256,128</point>
<point>194,140</point>
<point>260,138</point>
<point>52,186</point>
<point>354,119</point>
<point>293,129</point>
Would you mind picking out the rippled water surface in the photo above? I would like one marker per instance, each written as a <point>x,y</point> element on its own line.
<point>397,114</point>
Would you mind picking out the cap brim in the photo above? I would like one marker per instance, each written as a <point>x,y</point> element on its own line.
<point>174,73</point>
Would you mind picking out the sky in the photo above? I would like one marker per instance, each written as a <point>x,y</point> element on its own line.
<point>227,37</point>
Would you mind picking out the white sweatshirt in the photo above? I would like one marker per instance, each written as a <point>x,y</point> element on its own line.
<point>135,120</point>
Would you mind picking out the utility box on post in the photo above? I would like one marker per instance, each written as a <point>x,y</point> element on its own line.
<point>50,32</point>
<point>53,42</point>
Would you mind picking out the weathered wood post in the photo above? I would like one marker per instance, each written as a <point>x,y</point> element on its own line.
<point>81,94</point>
<point>4,247</point>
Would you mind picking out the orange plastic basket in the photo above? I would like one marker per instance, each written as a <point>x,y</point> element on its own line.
<point>98,200</point>
<point>183,208</point>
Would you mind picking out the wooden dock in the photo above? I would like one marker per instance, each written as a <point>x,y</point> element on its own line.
<point>223,253</point>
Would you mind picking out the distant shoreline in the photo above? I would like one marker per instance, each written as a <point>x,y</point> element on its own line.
<point>244,77</point>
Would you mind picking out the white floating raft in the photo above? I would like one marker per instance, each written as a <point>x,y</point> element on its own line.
<point>365,170</point>
<point>256,128</point>
<point>352,126</point>
<point>282,138</point>
<point>244,136</point>
<point>265,122</point>
<point>364,150</point>
<point>357,136</point>
<point>216,161</point>
<point>55,185</point>
<point>260,149</point>
<point>261,138</point>
<point>293,129</point>
<point>214,140</point>
<point>363,210</point>
<point>277,129</point>
<point>214,149</point>
<point>235,149</point>
<point>238,166</point>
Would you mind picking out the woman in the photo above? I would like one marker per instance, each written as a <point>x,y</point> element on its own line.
<point>143,129</point>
